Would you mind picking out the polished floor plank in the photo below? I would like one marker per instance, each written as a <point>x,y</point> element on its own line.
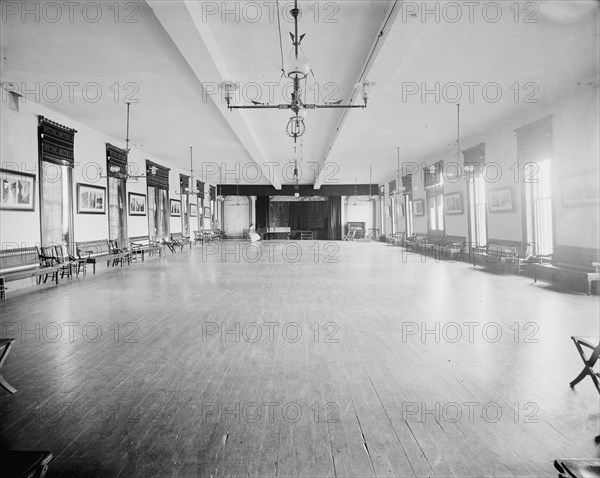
<point>156,394</point>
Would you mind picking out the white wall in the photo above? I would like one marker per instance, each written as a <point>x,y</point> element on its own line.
<point>19,151</point>
<point>576,147</point>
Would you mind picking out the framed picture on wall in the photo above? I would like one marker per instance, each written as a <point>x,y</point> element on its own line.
<point>453,203</point>
<point>175,207</point>
<point>500,200</point>
<point>18,190</point>
<point>206,212</point>
<point>193,210</point>
<point>580,190</point>
<point>418,207</point>
<point>91,199</point>
<point>137,204</point>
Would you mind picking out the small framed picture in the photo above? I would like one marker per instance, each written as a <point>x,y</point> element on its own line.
<point>206,211</point>
<point>137,204</point>
<point>580,190</point>
<point>453,203</point>
<point>193,210</point>
<point>175,207</point>
<point>18,190</point>
<point>500,200</point>
<point>91,199</point>
<point>418,209</point>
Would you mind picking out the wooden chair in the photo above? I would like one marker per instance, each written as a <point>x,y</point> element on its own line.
<point>49,259</point>
<point>120,255</point>
<point>5,346</point>
<point>589,363</point>
<point>77,265</point>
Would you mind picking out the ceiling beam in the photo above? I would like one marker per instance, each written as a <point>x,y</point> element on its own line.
<point>183,23</point>
<point>388,25</point>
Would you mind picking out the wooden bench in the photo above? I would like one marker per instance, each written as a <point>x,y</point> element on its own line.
<point>577,468</point>
<point>178,239</point>
<point>395,239</point>
<point>414,242</point>
<point>429,245</point>
<point>141,245</point>
<point>5,346</point>
<point>203,236</point>
<point>575,267</point>
<point>450,248</point>
<point>500,255</point>
<point>23,263</point>
<point>98,250</point>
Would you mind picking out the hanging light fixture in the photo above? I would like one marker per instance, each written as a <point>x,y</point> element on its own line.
<point>296,68</point>
<point>370,198</point>
<point>399,187</point>
<point>116,170</point>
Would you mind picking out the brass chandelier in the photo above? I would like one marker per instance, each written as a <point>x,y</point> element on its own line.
<point>297,69</point>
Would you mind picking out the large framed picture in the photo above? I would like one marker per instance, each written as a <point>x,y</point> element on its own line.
<point>175,207</point>
<point>18,190</point>
<point>418,207</point>
<point>500,200</point>
<point>193,210</point>
<point>580,189</point>
<point>137,204</point>
<point>453,203</point>
<point>91,199</point>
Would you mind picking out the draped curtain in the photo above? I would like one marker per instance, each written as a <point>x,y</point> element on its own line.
<point>262,212</point>
<point>335,218</point>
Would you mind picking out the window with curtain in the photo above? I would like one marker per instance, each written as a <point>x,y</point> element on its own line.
<point>408,207</point>
<point>157,178</point>
<point>116,165</point>
<point>200,203</point>
<point>393,219</point>
<point>434,187</point>
<point>184,187</point>
<point>534,154</point>
<point>474,162</point>
<point>56,156</point>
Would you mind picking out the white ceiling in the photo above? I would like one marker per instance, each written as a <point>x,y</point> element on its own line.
<point>176,47</point>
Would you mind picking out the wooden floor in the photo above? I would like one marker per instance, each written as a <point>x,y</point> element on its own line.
<point>180,383</point>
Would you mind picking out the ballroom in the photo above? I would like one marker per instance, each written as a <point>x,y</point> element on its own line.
<point>289,238</point>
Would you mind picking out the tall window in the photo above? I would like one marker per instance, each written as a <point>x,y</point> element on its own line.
<point>56,204</point>
<point>434,185</point>
<point>435,204</point>
<point>116,165</point>
<point>408,206</point>
<point>474,162</point>
<point>534,153</point>
<point>408,215</point>
<point>56,148</point>
<point>184,187</point>
<point>538,199</point>
<point>158,201</point>
<point>477,209</point>
<point>392,192</point>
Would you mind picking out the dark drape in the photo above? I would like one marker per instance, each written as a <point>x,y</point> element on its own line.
<point>335,218</point>
<point>56,142</point>
<point>160,178</point>
<point>116,157</point>
<point>534,141</point>
<point>262,212</point>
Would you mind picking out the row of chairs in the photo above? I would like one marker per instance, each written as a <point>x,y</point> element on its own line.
<point>208,235</point>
